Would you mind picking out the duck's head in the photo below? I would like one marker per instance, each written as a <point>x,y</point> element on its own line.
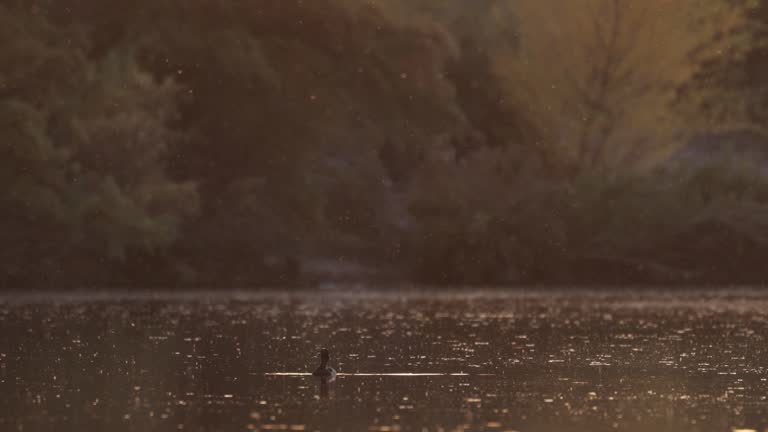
<point>324,356</point>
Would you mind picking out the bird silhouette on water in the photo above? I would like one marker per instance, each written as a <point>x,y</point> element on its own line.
<point>324,371</point>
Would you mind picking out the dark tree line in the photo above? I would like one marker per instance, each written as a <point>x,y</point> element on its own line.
<point>223,143</point>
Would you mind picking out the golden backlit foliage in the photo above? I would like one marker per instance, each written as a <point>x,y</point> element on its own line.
<point>600,76</point>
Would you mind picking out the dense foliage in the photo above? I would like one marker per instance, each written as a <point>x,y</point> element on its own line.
<point>226,143</point>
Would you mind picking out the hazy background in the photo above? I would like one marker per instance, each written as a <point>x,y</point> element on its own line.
<point>241,143</point>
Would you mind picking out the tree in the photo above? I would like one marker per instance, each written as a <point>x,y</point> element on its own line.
<point>84,145</point>
<point>730,90</point>
<point>600,76</point>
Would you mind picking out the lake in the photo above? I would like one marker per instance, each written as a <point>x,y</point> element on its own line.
<point>407,361</point>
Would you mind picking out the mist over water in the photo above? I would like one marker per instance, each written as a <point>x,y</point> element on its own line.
<point>693,361</point>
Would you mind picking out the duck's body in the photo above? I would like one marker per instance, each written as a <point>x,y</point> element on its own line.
<point>324,370</point>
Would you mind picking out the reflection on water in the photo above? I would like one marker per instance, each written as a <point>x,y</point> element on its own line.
<point>423,362</point>
<point>324,387</point>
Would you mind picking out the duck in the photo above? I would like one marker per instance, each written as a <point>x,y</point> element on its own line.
<point>324,371</point>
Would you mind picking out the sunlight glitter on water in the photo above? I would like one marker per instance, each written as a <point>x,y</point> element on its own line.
<point>576,362</point>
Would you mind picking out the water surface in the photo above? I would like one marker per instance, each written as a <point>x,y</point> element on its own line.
<point>579,361</point>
